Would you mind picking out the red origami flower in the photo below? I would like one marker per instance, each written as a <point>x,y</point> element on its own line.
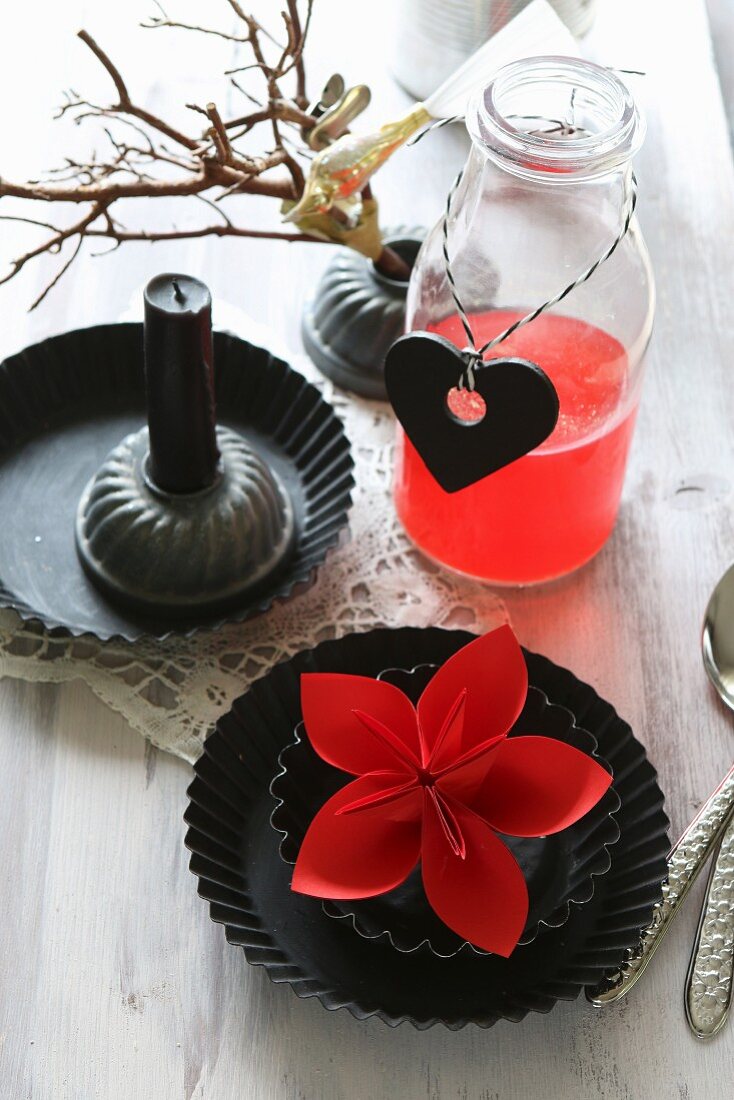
<point>437,783</point>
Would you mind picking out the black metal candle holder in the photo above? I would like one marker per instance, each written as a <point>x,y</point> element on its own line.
<point>356,314</point>
<point>180,517</point>
<point>115,529</point>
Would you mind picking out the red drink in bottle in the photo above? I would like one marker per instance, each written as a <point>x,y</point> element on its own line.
<point>550,511</point>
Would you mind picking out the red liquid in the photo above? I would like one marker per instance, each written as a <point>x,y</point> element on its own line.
<point>550,511</point>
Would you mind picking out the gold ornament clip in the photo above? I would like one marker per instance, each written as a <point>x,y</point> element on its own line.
<point>342,169</point>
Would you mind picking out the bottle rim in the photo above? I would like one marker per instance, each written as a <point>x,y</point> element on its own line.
<point>610,133</point>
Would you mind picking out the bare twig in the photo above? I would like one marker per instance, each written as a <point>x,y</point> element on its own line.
<point>146,156</point>
<point>299,42</point>
<point>282,109</point>
<point>210,176</point>
<point>243,91</point>
<point>162,20</point>
<point>204,231</point>
<point>126,105</point>
<point>54,243</point>
<point>59,274</point>
<point>219,134</point>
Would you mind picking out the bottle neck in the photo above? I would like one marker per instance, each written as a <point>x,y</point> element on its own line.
<point>556,121</point>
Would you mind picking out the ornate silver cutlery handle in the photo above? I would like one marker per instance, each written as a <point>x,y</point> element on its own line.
<point>709,981</point>
<point>685,861</point>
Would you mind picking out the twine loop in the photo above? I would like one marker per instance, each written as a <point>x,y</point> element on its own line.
<point>472,355</point>
<point>473,362</point>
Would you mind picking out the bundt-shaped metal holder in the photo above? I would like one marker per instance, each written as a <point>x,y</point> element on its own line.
<point>356,313</point>
<point>180,517</point>
<point>183,552</point>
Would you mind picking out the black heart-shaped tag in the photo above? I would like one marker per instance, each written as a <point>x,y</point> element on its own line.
<point>421,369</point>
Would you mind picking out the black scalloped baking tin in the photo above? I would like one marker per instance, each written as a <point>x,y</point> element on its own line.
<point>67,401</point>
<point>559,870</point>
<point>235,855</point>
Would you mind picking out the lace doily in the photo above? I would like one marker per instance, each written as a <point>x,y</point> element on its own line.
<point>173,692</point>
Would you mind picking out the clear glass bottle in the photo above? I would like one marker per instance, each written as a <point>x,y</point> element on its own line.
<point>541,198</point>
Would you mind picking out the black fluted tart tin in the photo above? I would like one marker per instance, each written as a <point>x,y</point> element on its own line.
<point>559,870</point>
<point>235,855</point>
<point>67,401</point>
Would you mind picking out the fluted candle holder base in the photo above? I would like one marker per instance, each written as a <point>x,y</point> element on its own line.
<point>356,314</point>
<point>183,553</point>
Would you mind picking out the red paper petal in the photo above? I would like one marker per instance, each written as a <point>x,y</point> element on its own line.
<point>361,854</point>
<point>448,743</point>
<point>447,820</point>
<point>493,671</point>
<point>328,702</point>
<point>482,897</point>
<point>384,797</point>
<point>463,779</point>
<point>537,786</point>
<point>387,738</point>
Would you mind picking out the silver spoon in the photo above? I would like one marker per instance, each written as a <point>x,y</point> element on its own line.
<point>709,980</point>
<point>689,855</point>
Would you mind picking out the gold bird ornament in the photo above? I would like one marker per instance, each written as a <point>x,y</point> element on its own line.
<point>330,204</point>
<point>343,168</point>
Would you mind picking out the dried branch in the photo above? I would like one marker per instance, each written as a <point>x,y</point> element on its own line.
<point>210,176</point>
<point>146,156</point>
<point>226,230</point>
<point>126,106</point>
<point>158,159</point>
<point>299,41</point>
<point>52,245</point>
<point>281,109</point>
<point>86,229</point>
<point>219,134</point>
<point>162,20</point>
<point>59,274</point>
<point>243,91</point>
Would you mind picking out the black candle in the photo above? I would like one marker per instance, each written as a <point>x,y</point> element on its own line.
<point>179,378</point>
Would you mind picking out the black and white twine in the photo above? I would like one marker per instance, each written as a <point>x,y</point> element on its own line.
<point>474,356</point>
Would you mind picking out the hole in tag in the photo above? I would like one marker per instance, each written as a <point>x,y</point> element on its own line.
<point>466,406</point>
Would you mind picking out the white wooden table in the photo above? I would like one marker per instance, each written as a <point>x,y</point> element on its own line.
<point>114,982</point>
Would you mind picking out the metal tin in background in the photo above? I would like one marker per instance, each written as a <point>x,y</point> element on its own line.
<point>433,37</point>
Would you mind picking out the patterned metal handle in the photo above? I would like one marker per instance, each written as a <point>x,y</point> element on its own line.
<point>709,981</point>
<point>685,862</point>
